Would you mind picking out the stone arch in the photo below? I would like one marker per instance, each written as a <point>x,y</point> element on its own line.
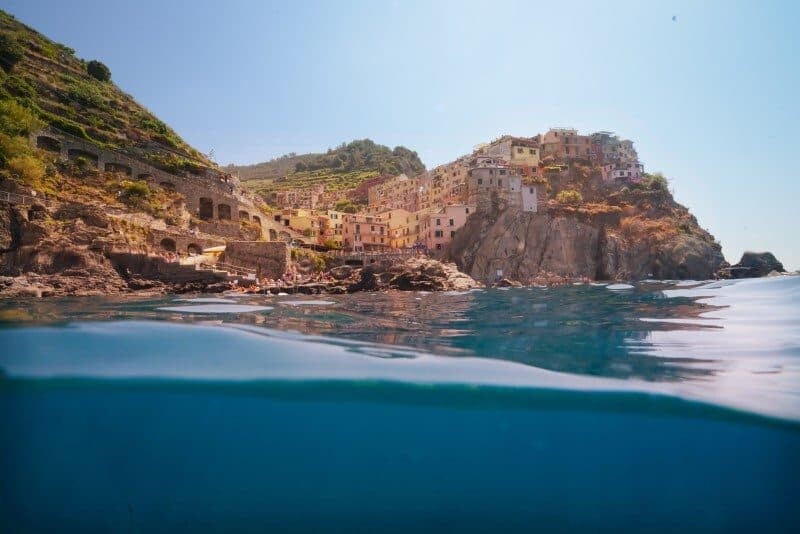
<point>284,236</point>
<point>206,211</point>
<point>194,248</point>
<point>74,153</point>
<point>257,220</point>
<point>46,142</point>
<point>168,244</point>
<point>145,176</point>
<point>168,186</point>
<point>118,167</point>
<point>223,212</point>
<point>244,216</point>
<point>273,235</point>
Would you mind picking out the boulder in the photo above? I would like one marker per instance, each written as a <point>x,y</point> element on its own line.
<point>756,264</point>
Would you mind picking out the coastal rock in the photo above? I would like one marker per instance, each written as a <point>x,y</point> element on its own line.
<point>548,248</point>
<point>756,264</point>
<point>413,274</point>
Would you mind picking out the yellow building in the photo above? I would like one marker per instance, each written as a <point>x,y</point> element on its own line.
<point>524,153</point>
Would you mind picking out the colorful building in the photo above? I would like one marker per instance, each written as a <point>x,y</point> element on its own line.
<point>437,229</point>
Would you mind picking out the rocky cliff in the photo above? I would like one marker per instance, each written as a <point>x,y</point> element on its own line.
<point>559,244</point>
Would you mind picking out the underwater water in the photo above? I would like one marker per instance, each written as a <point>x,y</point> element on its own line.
<point>654,407</point>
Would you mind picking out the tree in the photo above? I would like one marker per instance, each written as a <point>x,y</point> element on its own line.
<point>10,51</point>
<point>569,197</point>
<point>98,70</point>
<point>657,182</point>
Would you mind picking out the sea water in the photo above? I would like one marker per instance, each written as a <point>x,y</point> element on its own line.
<point>654,407</point>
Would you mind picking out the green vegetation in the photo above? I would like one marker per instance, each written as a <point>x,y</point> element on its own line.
<point>135,190</point>
<point>346,206</point>
<point>365,154</point>
<point>340,170</point>
<point>11,52</point>
<point>98,71</point>
<point>78,97</point>
<point>656,182</point>
<point>569,197</point>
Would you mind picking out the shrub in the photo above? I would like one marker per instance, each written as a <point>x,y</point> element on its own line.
<point>657,182</point>
<point>12,147</point>
<point>16,119</point>
<point>17,86</point>
<point>28,169</point>
<point>11,52</point>
<point>569,197</point>
<point>87,95</point>
<point>135,190</point>
<point>66,125</point>
<point>98,71</point>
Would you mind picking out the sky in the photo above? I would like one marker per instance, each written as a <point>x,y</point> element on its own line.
<point>706,90</point>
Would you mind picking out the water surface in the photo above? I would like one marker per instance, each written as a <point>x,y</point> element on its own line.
<point>656,407</point>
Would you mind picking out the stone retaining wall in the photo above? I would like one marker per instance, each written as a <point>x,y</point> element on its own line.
<point>268,258</point>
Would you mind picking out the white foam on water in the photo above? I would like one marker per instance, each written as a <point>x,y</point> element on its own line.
<point>308,302</point>
<point>619,287</point>
<point>216,308</point>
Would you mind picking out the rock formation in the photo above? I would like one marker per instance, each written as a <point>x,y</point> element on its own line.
<point>557,244</point>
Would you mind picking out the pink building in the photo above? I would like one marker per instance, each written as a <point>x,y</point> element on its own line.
<point>438,229</point>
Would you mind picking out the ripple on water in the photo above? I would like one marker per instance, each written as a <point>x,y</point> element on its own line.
<point>208,300</point>
<point>308,302</point>
<point>216,308</point>
<point>619,287</point>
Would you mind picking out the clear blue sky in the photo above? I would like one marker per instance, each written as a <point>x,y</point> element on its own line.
<point>711,98</point>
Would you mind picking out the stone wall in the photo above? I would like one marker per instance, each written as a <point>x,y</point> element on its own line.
<point>222,195</point>
<point>183,243</point>
<point>269,258</point>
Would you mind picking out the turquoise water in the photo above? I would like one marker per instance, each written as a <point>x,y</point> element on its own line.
<point>657,407</point>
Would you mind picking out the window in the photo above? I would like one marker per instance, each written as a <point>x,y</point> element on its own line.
<point>438,233</point>
<point>502,172</point>
<point>480,181</point>
<point>438,246</point>
<point>372,228</point>
<point>491,171</point>
<point>467,209</point>
<point>531,190</point>
<point>358,228</point>
<point>452,222</point>
<point>500,183</point>
<point>519,150</point>
<point>438,222</point>
<point>452,233</point>
<point>532,151</point>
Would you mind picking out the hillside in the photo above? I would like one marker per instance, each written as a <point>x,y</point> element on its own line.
<point>96,193</point>
<point>341,170</point>
<point>56,86</point>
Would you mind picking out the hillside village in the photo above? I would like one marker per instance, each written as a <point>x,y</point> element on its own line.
<point>101,196</point>
<point>425,211</point>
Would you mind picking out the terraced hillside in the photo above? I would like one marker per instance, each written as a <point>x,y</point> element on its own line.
<point>341,170</point>
<point>77,96</point>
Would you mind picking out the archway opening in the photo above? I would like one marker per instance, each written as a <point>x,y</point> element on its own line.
<point>224,212</point>
<point>257,220</point>
<point>206,209</point>
<point>194,249</point>
<point>75,154</point>
<point>273,235</point>
<point>48,143</point>
<point>244,216</point>
<point>168,244</point>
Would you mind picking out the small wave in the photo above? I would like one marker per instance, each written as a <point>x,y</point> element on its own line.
<point>216,308</point>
